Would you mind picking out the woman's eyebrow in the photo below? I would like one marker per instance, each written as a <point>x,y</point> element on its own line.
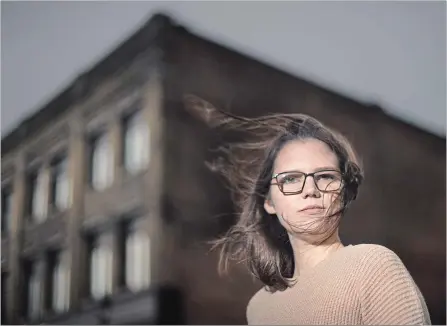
<point>326,168</point>
<point>322,168</point>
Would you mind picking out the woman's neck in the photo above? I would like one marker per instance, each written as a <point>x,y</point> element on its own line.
<point>307,254</point>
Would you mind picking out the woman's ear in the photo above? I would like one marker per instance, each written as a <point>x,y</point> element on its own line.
<point>269,206</point>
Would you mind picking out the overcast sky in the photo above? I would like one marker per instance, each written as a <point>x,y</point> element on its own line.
<point>392,53</point>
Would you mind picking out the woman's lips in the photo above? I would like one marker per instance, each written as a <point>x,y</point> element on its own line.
<point>312,209</point>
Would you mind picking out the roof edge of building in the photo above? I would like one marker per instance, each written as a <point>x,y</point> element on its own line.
<point>373,107</point>
<point>82,85</point>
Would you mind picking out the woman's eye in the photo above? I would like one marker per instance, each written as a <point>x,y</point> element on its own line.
<point>291,179</point>
<point>326,176</point>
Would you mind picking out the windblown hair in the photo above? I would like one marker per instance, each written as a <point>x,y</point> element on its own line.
<point>258,238</point>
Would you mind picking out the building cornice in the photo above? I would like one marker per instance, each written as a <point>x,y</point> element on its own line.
<point>86,83</point>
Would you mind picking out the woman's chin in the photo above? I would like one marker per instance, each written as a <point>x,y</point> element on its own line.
<point>311,228</point>
<point>308,224</point>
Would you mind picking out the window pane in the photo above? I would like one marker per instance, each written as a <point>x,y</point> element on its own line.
<point>94,281</point>
<point>34,293</point>
<point>96,162</point>
<point>136,143</point>
<point>101,272</point>
<point>3,297</point>
<point>61,185</point>
<point>129,262</point>
<point>62,192</point>
<point>60,285</point>
<point>102,163</point>
<point>142,144</point>
<point>39,197</point>
<point>6,208</point>
<point>67,275</point>
<point>137,264</point>
<point>58,290</point>
<point>108,273</point>
<point>144,254</point>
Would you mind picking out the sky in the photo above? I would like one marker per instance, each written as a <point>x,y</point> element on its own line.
<point>389,53</point>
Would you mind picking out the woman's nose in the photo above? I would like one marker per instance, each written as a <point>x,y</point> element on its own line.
<point>310,188</point>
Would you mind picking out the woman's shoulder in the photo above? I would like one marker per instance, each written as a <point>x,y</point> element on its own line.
<point>370,248</point>
<point>368,253</point>
<point>386,288</point>
<point>371,258</point>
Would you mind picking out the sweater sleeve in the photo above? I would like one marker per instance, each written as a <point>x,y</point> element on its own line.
<point>387,292</point>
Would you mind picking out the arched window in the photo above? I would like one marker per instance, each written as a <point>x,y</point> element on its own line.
<point>136,142</point>
<point>101,271</point>
<point>137,260</point>
<point>34,291</point>
<point>61,284</point>
<point>6,207</point>
<point>60,185</point>
<point>101,162</point>
<point>38,192</point>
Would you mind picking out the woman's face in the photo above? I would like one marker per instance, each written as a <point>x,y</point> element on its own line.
<point>312,200</point>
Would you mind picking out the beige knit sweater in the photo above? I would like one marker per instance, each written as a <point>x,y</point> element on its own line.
<point>357,285</point>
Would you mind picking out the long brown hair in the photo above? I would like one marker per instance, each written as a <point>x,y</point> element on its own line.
<point>258,238</point>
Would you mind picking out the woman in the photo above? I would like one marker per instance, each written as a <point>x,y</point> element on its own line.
<point>293,179</point>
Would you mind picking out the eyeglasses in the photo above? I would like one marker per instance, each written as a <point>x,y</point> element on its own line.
<point>292,182</point>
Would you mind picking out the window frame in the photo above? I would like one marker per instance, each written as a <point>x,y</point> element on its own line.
<point>94,139</point>
<point>57,263</point>
<point>4,294</point>
<point>96,246</point>
<point>31,271</point>
<point>134,119</point>
<point>55,167</point>
<point>132,232</point>
<point>32,185</point>
<point>6,219</point>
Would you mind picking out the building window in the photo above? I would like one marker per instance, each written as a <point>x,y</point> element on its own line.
<point>60,184</point>
<point>3,298</point>
<point>33,290</point>
<point>136,142</point>
<point>137,257</point>
<point>37,192</point>
<point>101,164</point>
<point>6,208</point>
<point>101,265</point>
<point>59,283</point>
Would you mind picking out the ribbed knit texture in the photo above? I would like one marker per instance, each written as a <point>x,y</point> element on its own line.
<point>364,284</point>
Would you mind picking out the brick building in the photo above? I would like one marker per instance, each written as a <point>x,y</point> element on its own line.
<point>105,194</point>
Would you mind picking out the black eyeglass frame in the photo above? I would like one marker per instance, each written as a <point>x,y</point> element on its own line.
<point>280,186</point>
